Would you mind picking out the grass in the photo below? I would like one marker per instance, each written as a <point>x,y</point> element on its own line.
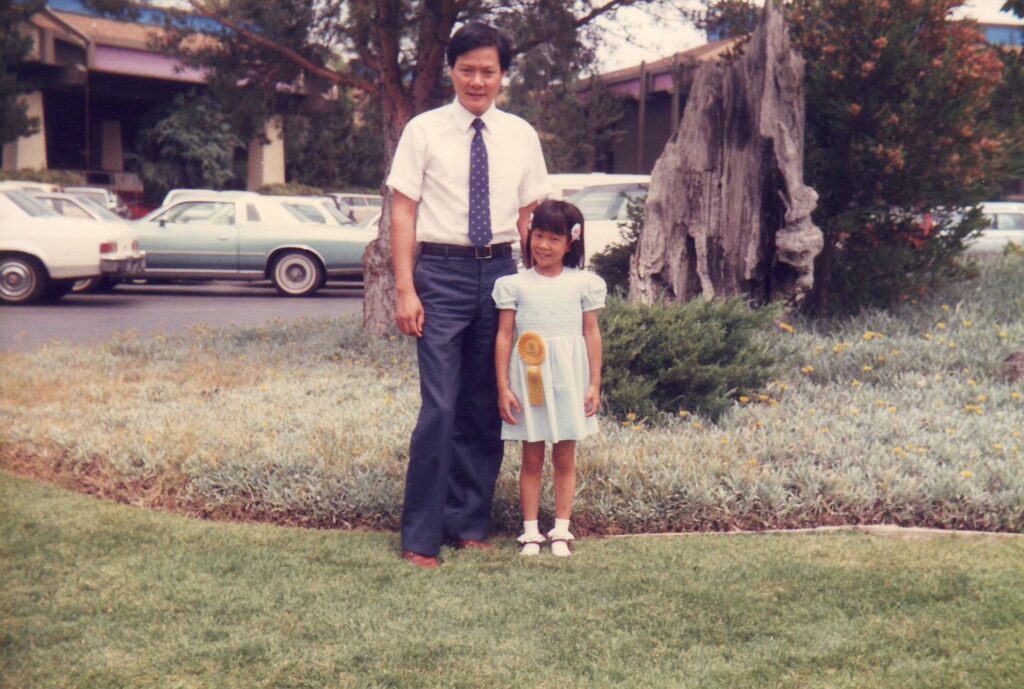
<point>100,595</point>
<point>899,417</point>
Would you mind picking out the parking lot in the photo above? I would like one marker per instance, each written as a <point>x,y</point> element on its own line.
<point>153,309</point>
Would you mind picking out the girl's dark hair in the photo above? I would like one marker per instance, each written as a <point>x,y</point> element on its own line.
<point>558,217</point>
<point>477,35</point>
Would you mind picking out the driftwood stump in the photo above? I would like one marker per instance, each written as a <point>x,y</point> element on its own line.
<point>728,213</point>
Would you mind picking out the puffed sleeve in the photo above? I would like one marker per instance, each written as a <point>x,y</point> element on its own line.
<point>409,162</point>
<point>534,184</point>
<point>594,291</point>
<point>505,293</point>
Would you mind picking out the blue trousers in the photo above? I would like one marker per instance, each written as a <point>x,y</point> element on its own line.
<point>456,447</point>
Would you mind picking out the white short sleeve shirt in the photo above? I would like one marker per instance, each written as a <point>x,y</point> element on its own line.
<point>431,166</point>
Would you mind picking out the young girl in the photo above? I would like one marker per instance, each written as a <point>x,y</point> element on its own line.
<point>549,383</point>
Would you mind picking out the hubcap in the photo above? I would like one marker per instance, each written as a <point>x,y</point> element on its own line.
<point>16,279</point>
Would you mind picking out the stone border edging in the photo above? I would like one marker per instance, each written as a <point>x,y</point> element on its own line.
<point>883,530</point>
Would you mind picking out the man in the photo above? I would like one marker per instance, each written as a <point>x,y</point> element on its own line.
<point>465,177</point>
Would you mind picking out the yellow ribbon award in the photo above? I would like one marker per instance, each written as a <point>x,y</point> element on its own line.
<point>532,352</point>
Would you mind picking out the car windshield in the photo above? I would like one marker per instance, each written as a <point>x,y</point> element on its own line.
<point>606,202</point>
<point>33,207</point>
<point>96,208</point>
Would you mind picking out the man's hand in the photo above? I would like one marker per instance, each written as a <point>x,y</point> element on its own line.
<point>592,400</point>
<point>508,405</point>
<point>409,314</point>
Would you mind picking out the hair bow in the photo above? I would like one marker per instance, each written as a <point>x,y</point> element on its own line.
<point>575,231</point>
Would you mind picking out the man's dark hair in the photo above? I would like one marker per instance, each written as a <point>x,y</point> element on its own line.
<point>477,35</point>
<point>558,217</point>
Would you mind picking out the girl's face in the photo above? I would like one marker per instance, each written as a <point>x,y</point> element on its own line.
<point>548,249</point>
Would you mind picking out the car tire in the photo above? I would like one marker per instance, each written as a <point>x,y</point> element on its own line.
<point>23,279</point>
<point>297,274</point>
<point>102,283</point>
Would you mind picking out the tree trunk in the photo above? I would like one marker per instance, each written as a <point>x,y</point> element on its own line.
<point>728,213</point>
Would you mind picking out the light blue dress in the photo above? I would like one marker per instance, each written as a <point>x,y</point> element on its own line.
<point>553,308</point>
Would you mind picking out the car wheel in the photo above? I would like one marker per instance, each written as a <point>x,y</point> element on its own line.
<point>96,284</point>
<point>297,274</point>
<point>22,280</point>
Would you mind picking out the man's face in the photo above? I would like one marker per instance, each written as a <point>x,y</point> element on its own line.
<point>476,77</point>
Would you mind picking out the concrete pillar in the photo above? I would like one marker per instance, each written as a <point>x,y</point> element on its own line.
<point>111,148</point>
<point>266,160</point>
<point>28,152</point>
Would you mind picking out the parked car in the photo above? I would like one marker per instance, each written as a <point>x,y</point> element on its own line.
<point>42,253</point>
<point>604,209</point>
<point>361,205</point>
<point>564,185</point>
<point>237,236</point>
<point>1006,224</point>
<point>77,205</point>
<point>103,197</point>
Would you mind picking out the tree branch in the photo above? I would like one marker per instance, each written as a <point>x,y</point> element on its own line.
<point>581,21</point>
<point>330,75</point>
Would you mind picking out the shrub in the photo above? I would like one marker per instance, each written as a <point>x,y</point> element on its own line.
<point>290,189</point>
<point>64,178</point>
<point>693,356</point>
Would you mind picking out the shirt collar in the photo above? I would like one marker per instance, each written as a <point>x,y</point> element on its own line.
<point>464,118</point>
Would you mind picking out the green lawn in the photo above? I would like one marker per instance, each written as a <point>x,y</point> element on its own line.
<point>97,594</point>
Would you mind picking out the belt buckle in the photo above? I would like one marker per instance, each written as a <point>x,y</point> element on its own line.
<point>483,256</point>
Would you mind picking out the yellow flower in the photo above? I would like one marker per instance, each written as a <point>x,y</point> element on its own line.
<point>631,416</point>
<point>854,411</point>
<point>773,403</point>
<point>1003,334</point>
<point>998,447</point>
<point>892,410</point>
<point>763,397</point>
<point>783,387</point>
<point>698,425</point>
<point>972,382</point>
<point>839,348</point>
<point>928,336</point>
<point>753,462</point>
<point>1015,396</point>
<point>945,307</point>
<point>940,326</point>
<point>950,431</point>
<point>899,451</point>
<point>786,328</point>
<point>744,399</point>
<point>967,473</point>
<point>683,413</point>
<point>637,427</point>
<point>968,324</point>
<point>982,398</point>
<point>881,403</point>
<point>807,369</point>
<point>758,425</point>
<point>724,441</point>
<point>825,430</point>
<point>867,369</point>
<point>856,383</point>
<point>1016,434</point>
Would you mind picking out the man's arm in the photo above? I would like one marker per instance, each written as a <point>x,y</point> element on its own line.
<point>523,225</point>
<point>408,309</point>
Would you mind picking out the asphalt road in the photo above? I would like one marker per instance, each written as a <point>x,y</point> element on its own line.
<point>153,309</point>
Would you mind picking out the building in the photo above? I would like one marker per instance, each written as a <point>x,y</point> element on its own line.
<point>96,79</point>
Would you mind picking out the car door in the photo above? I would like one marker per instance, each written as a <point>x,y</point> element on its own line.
<point>192,237</point>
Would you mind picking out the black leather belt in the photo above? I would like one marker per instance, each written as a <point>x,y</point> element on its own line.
<point>482,253</point>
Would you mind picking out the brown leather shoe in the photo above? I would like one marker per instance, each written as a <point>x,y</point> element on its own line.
<point>471,544</point>
<point>421,561</point>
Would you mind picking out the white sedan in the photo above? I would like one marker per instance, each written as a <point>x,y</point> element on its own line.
<point>42,254</point>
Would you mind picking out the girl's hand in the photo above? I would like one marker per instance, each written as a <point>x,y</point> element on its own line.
<point>592,400</point>
<point>508,405</point>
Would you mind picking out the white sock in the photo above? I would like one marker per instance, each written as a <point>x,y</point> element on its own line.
<point>561,525</point>
<point>561,548</point>
<point>530,528</point>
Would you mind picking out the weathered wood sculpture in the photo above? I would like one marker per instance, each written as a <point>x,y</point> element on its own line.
<point>728,213</point>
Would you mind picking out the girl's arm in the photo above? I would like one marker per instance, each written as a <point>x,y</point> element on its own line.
<point>592,337</point>
<point>508,404</point>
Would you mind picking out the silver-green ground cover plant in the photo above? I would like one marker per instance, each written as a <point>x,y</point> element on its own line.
<point>900,417</point>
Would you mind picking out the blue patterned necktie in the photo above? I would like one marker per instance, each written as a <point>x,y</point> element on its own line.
<point>479,189</point>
